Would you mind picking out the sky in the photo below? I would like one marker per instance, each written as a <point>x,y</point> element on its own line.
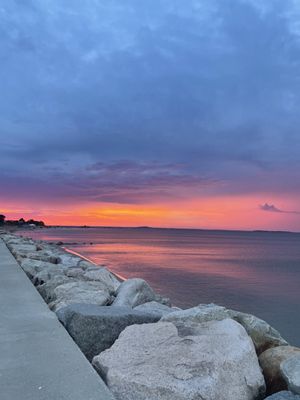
<point>164,113</point>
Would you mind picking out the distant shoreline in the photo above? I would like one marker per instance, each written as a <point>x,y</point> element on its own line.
<point>161,228</point>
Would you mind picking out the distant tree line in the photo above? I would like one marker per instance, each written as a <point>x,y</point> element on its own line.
<point>19,222</point>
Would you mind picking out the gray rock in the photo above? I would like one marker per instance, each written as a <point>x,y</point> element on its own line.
<point>290,370</point>
<point>46,275</point>
<point>84,264</point>
<point>156,308</point>
<point>102,275</point>
<point>133,292</point>
<point>7,237</point>
<point>33,267</point>
<point>46,256</point>
<point>153,362</point>
<point>69,260</point>
<point>284,395</point>
<point>22,248</point>
<point>270,361</point>
<point>18,241</point>
<point>74,272</point>
<point>47,289</point>
<point>189,319</point>
<point>264,336</point>
<point>95,328</point>
<point>80,292</point>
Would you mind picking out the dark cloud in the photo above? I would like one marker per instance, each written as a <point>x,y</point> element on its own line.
<point>271,208</point>
<point>212,85</point>
<point>121,182</point>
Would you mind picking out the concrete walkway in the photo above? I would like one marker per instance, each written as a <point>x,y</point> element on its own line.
<point>38,359</point>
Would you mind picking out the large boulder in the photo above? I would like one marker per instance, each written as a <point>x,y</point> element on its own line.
<point>84,264</point>
<point>155,308</point>
<point>264,336</point>
<point>101,274</point>
<point>44,255</point>
<point>18,241</point>
<point>22,248</point>
<point>154,362</point>
<point>284,395</point>
<point>69,260</point>
<point>261,333</point>
<point>95,274</point>
<point>33,267</point>
<point>47,274</point>
<point>133,292</point>
<point>47,290</point>
<point>270,361</point>
<point>7,237</point>
<point>80,292</point>
<point>74,272</point>
<point>95,328</point>
<point>188,319</point>
<point>290,370</point>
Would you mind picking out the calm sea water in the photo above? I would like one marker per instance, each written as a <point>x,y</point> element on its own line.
<point>256,272</point>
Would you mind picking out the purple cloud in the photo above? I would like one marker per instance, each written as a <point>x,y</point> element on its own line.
<point>133,182</point>
<point>123,182</point>
<point>272,208</point>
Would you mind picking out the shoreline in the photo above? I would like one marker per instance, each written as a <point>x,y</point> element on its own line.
<point>92,298</point>
<point>118,276</point>
<point>262,231</point>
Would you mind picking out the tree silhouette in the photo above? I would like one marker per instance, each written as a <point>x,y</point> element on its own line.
<point>2,219</point>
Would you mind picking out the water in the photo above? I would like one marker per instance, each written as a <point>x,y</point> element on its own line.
<point>255,272</point>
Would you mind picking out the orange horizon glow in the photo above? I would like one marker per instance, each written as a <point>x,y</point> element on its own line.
<point>232,213</point>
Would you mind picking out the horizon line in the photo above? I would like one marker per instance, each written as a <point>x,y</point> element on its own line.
<point>173,228</point>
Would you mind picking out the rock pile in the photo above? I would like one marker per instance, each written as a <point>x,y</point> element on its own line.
<point>144,348</point>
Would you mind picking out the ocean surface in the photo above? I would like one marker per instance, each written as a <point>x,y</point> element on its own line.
<point>255,272</point>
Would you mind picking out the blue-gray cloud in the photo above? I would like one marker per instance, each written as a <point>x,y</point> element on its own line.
<point>272,208</point>
<point>212,84</point>
<point>123,182</point>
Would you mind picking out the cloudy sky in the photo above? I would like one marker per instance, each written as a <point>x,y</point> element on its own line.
<point>151,112</point>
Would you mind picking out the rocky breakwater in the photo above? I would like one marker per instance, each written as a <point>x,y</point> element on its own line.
<point>145,349</point>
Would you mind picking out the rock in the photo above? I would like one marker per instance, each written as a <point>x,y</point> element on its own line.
<point>80,292</point>
<point>46,256</point>
<point>187,319</point>
<point>264,336</point>
<point>7,237</point>
<point>74,272</point>
<point>133,292</point>
<point>284,395</point>
<point>101,274</point>
<point>95,328</point>
<point>290,370</point>
<point>68,260</point>
<point>47,289</point>
<point>22,248</point>
<point>86,264</point>
<point>156,308</point>
<point>18,241</point>
<point>46,275</point>
<point>270,361</point>
<point>33,267</point>
<point>153,362</point>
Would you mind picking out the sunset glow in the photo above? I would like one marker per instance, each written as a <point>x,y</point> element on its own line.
<point>210,213</point>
